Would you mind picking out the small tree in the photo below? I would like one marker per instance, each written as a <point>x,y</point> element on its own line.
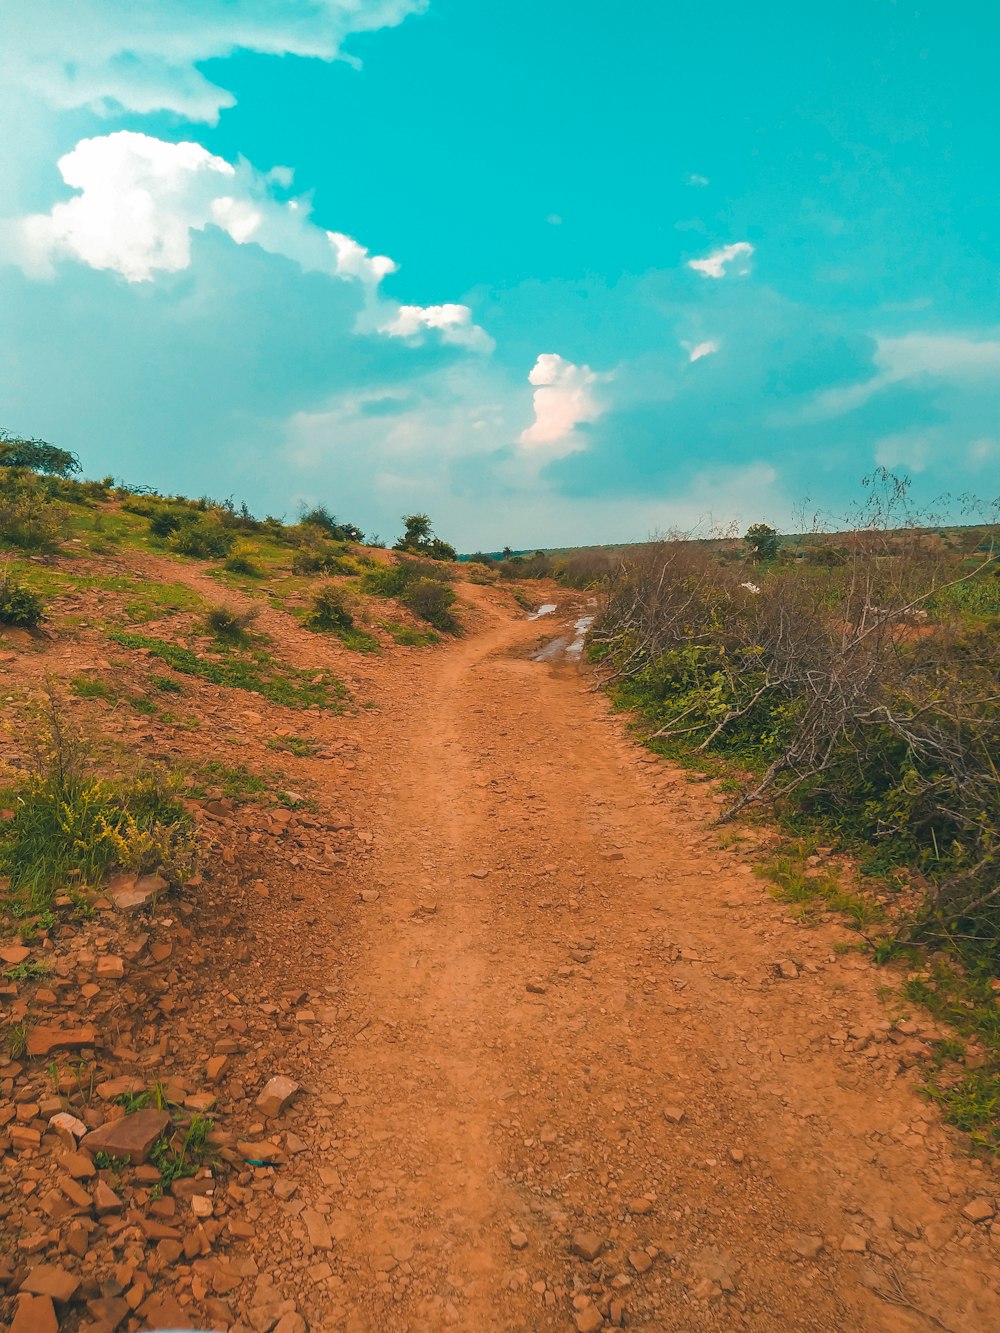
<point>763,541</point>
<point>37,456</point>
<point>419,539</point>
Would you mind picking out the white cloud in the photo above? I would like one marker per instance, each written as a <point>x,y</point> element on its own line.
<point>453,322</point>
<point>696,351</point>
<point>140,199</point>
<point>714,265</point>
<point>912,451</point>
<point>564,398</point>
<point>144,56</point>
<point>696,179</point>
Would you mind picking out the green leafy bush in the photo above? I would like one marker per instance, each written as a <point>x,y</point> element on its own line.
<point>29,517</point>
<point>432,601</point>
<point>19,605</point>
<point>239,563</point>
<point>204,537</point>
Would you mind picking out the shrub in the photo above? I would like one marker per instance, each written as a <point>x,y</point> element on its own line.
<point>432,601</point>
<point>330,611</point>
<point>318,557</point>
<point>858,701</point>
<point>164,522</point>
<point>230,626</point>
<point>203,536</point>
<point>19,605</point>
<point>393,580</point>
<point>320,517</point>
<point>239,563</point>
<point>29,518</point>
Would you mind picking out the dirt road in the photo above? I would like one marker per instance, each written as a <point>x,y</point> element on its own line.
<point>557,1077</point>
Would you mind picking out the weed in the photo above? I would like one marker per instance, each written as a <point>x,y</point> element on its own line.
<point>26,971</point>
<point>176,1160</point>
<point>167,684</point>
<point>71,825</point>
<point>297,745</point>
<point>19,606</point>
<point>408,637</point>
<point>230,626</point>
<point>239,563</point>
<point>17,1040</point>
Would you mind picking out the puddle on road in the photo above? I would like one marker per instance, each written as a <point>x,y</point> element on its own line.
<point>565,647</point>
<point>576,647</point>
<point>545,610</point>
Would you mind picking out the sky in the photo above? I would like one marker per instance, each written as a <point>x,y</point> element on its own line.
<point>552,272</point>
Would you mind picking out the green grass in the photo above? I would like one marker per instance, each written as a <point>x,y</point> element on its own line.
<point>175,1160</point>
<point>961,995</point>
<point>811,890</point>
<point>237,784</point>
<point>73,831</point>
<point>409,637</point>
<point>256,672</point>
<point>300,746</point>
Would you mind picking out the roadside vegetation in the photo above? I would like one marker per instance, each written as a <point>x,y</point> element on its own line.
<point>846,685</point>
<point>66,826</point>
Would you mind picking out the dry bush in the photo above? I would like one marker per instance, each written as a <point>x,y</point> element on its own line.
<point>861,697</point>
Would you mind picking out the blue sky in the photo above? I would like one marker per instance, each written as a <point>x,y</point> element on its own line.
<point>552,272</point>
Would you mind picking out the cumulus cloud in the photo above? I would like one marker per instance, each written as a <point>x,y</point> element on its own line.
<point>145,56</point>
<point>140,200</point>
<point>716,264</point>
<point>453,322</point>
<point>696,351</point>
<point>565,397</point>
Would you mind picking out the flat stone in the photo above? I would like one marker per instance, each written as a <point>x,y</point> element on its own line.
<point>15,954</point>
<point>130,892</point>
<point>106,1200</point>
<point>34,1314</point>
<point>786,969</point>
<point>979,1210</point>
<point>855,1242</point>
<point>76,1164</point>
<point>276,1095</point>
<point>674,1114</point>
<point>43,1040</point>
<point>808,1247</point>
<point>162,1311</point>
<point>518,1240</point>
<point>131,1137</point>
<point>589,1320</point>
<point>640,1261</point>
<point>640,1206</point>
<point>68,1127</point>
<point>52,1281</point>
<point>587,1244</point>
<point>110,967</point>
<point>317,1229</point>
